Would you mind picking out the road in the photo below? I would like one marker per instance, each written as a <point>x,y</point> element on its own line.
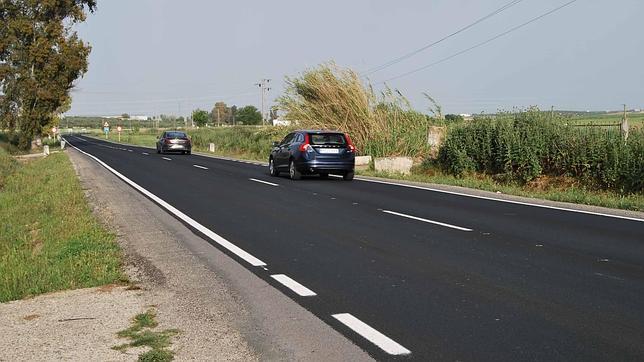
<point>410,273</point>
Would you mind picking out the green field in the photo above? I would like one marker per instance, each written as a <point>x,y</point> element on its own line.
<point>635,120</point>
<point>49,238</point>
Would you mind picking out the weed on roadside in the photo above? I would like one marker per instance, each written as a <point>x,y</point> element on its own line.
<point>142,335</point>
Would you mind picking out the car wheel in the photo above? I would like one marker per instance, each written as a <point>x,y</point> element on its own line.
<point>348,176</point>
<point>324,175</point>
<point>293,172</point>
<point>271,168</point>
<point>188,152</point>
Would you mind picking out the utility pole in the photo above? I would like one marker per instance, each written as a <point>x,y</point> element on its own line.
<point>624,125</point>
<point>263,88</point>
<point>552,112</point>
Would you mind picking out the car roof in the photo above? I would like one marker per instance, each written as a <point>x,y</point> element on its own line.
<point>318,131</point>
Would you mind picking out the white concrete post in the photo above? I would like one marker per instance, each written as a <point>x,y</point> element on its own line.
<point>211,147</point>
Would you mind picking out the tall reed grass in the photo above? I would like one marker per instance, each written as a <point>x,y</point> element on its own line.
<point>330,97</point>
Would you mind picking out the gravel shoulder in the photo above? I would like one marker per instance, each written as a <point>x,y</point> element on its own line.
<point>224,312</point>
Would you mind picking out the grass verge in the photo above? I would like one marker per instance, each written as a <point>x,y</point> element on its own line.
<point>554,190</point>
<point>49,239</point>
<point>142,335</point>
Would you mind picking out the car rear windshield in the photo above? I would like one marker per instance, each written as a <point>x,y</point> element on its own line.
<point>176,135</point>
<point>327,139</point>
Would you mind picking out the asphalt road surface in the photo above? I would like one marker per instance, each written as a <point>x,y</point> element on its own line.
<point>409,273</point>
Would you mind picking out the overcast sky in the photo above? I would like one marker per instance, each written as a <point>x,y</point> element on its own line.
<point>150,57</point>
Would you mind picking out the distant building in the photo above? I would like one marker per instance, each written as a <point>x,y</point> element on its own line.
<point>281,122</point>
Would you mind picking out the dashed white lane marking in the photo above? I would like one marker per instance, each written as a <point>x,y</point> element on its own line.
<point>263,182</point>
<point>190,221</point>
<point>500,200</point>
<point>145,153</point>
<point>385,343</point>
<point>427,221</point>
<point>293,285</point>
<point>167,159</point>
<point>130,151</point>
<point>201,167</point>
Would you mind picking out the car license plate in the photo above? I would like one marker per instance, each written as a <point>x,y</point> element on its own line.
<point>329,150</point>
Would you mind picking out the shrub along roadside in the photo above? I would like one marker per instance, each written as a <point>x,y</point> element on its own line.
<point>49,239</point>
<point>519,147</point>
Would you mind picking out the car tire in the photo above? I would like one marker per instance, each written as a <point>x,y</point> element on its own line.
<point>188,152</point>
<point>348,176</point>
<point>272,170</point>
<point>324,175</point>
<point>293,172</point>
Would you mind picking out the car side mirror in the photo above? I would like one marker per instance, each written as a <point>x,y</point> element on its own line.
<point>275,144</point>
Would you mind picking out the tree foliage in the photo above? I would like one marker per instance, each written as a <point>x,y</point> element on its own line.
<point>248,115</point>
<point>200,117</point>
<point>40,57</point>
<point>221,113</point>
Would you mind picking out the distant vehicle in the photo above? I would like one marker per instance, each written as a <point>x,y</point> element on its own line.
<point>174,141</point>
<point>310,152</point>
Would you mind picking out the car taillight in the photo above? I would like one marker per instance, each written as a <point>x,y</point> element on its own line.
<point>352,148</point>
<point>306,146</point>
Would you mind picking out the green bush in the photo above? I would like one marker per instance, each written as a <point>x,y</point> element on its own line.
<point>524,145</point>
<point>254,142</point>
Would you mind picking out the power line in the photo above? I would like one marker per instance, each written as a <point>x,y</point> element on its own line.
<point>168,100</point>
<point>410,54</point>
<point>479,44</point>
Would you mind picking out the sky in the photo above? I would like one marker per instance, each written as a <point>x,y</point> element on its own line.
<point>152,57</point>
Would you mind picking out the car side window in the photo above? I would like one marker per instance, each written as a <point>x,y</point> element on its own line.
<point>287,140</point>
<point>299,138</point>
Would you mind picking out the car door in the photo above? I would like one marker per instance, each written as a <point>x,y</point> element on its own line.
<point>282,155</point>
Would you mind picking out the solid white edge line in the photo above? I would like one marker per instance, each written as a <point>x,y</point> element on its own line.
<point>293,285</point>
<point>190,221</point>
<point>385,343</point>
<point>264,182</point>
<point>427,220</point>
<point>166,158</point>
<point>201,167</point>
<point>500,200</point>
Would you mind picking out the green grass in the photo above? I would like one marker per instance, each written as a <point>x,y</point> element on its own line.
<point>49,239</point>
<point>140,334</point>
<point>635,120</point>
<point>555,190</point>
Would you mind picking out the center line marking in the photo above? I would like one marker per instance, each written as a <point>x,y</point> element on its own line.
<point>385,343</point>
<point>130,151</point>
<point>201,167</point>
<point>167,159</point>
<point>145,153</point>
<point>293,285</point>
<point>263,182</point>
<point>427,221</point>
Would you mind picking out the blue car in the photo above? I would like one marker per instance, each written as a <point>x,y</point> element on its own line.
<point>313,152</point>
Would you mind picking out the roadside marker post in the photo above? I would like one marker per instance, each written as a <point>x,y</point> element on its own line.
<point>119,129</point>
